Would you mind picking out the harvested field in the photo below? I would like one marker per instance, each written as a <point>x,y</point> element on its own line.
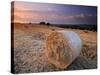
<point>29,49</point>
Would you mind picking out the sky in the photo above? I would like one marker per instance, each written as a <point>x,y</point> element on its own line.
<point>26,12</point>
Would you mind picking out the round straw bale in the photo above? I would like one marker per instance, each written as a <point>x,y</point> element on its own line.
<point>62,47</point>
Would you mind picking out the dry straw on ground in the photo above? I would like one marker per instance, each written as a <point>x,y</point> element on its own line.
<point>62,47</point>
<point>30,53</point>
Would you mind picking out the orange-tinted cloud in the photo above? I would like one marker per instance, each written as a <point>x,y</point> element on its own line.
<point>29,15</point>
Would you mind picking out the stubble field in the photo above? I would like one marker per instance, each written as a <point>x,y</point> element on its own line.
<point>29,46</point>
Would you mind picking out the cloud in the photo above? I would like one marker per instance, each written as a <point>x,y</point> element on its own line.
<point>29,15</point>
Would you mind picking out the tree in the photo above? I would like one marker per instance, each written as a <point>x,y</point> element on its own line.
<point>42,22</point>
<point>48,23</point>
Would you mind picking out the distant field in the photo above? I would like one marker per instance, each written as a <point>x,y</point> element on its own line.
<point>29,41</point>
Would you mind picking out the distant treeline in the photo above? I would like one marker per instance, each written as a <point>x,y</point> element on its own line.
<point>78,26</point>
<point>83,27</point>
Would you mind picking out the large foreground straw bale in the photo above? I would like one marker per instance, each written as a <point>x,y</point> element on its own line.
<point>62,47</point>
